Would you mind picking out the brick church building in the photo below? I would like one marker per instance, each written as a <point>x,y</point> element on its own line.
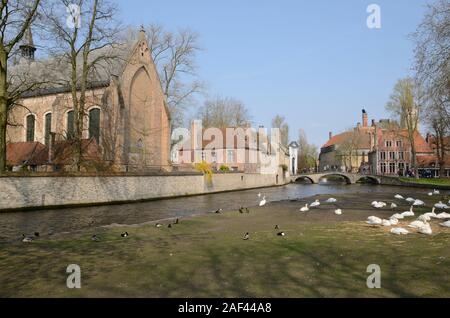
<point>126,124</point>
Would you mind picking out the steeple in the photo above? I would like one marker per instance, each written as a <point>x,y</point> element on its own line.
<point>27,47</point>
<point>142,35</point>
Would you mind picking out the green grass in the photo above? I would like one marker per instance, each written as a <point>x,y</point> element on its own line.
<point>437,182</point>
<point>322,255</point>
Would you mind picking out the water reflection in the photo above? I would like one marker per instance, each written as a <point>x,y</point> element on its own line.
<point>12,225</point>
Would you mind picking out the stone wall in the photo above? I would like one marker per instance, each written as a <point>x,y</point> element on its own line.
<point>45,192</point>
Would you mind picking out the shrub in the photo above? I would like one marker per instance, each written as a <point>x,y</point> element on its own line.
<point>206,169</point>
<point>224,168</point>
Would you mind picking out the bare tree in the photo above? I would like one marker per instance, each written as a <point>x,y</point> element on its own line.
<point>174,54</point>
<point>405,104</point>
<point>87,44</point>
<point>432,55</point>
<point>16,17</point>
<point>224,112</point>
<point>280,123</point>
<point>348,150</point>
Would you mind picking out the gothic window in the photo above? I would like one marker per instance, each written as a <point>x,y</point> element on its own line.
<point>48,128</point>
<point>383,168</point>
<point>94,124</point>
<point>70,125</point>
<point>31,123</point>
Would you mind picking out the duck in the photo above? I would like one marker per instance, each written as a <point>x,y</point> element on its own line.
<point>124,234</point>
<point>26,239</point>
<point>338,212</point>
<point>445,224</point>
<point>411,200</point>
<point>304,209</point>
<point>281,234</point>
<point>399,231</point>
<point>241,210</point>
<point>95,238</point>
<point>277,227</point>
<point>426,229</point>
<point>418,203</point>
<point>263,202</point>
<point>331,200</point>
<point>218,211</point>
<point>393,206</point>
<point>373,220</point>
<point>315,204</point>
<point>246,236</point>
<point>177,221</point>
<point>158,225</point>
<point>408,213</point>
<point>399,197</point>
<point>37,234</point>
<point>247,210</point>
<point>169,226</point>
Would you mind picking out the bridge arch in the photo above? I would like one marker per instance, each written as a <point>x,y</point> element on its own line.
<point>305,178</point>
<point>371,178</point>
<point>336,174</point>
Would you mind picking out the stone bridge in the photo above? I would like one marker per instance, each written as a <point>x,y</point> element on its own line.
<point>351,178</point>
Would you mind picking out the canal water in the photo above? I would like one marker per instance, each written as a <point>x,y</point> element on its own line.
<point>12,225</point>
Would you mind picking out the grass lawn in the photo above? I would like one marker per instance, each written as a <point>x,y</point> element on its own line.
<point>437,182</point>
<point>322,255</point>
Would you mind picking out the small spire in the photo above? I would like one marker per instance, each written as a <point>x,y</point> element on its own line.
<point>27,47</point>
<point>142,35</point>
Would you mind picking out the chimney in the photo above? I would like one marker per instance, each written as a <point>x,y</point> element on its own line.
<point>358,126</point>
<point>365,118</point>
<point>373,122</point>
<point>330,135</point>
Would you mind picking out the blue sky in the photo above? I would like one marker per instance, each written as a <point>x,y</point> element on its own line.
<point>314,62</point>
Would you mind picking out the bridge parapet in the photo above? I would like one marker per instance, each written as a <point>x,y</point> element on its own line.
<point>351,178</point>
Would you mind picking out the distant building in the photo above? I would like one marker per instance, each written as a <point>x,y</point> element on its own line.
<point>382,148</point>
<point>126,114</point>
<point>293,158</point>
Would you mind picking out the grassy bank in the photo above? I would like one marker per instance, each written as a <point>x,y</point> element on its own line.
<point>322,255</point>
<point>436,182</point>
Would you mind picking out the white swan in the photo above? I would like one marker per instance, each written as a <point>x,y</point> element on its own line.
<point>445,224</point>
<point>259,195</point>
<point>304,209</point>
<point>418,203</point>
<point>338,212</point>
<point>378,205</point>
<point>408,213</point>
<point>443,215</point>
<point>399,197</point>
<point>431,214</point>
<point>397,216</point>
<point>394,206</point>
<point>394,221</point>
<point>424,218</point>
<point>263,201</point>
<point>331,200</point>
<point>399,231</point>
<point>386,223</point>
<point>417,224</point>
<point>426,229</point>
<point>411,200</point>
<point>436,192</point>
<point>441,205</point>
<point>315,204</point>
<point>373,220</point>
<point>430,194</point>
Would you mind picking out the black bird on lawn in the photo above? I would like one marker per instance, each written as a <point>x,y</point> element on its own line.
<point>218,211</point>
<point>26,239</point>
<point>169,226</point>
<point>124,234</point>
<point>246,236</point>
<point>95,238</point>
<point>277,227</point>
<point>281,234</point>
<point>36,234</point>
<point>241,210</point>
<point>158,225</point>
<point>247,210</point>
<point>177,221</point>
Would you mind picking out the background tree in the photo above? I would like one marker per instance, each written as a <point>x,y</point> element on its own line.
<point>16,17</point>
<point>348,149</point>
<point>86,44</point>
<point>307,153</point>
<point>432,57</point>
<point>223,112</point>
<point>175,54</point>
<point>405,104</point>
<point>280,123</point>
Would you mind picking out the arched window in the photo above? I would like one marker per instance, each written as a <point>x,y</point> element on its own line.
<point>94,124</point>
<point>31,123</point>
<point>70,125</point>
<point>48,128</point>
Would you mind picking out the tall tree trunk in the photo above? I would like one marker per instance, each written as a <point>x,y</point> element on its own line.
<point>3,109</point>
